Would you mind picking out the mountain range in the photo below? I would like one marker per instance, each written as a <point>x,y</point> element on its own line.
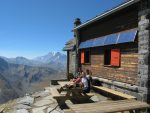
<point>46,60</point>
<point>20,75</point>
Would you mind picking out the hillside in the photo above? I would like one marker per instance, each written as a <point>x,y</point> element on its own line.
<point>18,79</point>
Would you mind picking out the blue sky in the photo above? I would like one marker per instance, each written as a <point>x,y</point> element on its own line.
<point>33,28</point>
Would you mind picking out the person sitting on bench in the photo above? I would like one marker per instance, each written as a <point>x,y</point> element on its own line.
<point>75,82</point>
<point>88,75</point>
<point>85,83</point>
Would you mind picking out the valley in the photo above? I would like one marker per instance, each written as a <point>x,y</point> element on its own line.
<point>18,77</point>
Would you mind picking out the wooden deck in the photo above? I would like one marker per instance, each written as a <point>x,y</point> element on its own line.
<point>108,107</point>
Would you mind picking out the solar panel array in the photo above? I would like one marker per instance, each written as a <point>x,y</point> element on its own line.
<point>123,37</point>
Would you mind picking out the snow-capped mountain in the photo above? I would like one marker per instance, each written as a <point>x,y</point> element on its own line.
<point>52,57</point>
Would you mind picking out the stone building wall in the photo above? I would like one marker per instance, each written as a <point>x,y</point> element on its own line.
<point>144,50</point>
<point>72,62</point>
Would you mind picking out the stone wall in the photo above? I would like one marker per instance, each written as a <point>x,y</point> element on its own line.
<point>144,50</point>
<point>72,57</point>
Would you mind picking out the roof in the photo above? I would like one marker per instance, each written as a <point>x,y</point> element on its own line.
<point>118,8</point>
<point>70,45</point>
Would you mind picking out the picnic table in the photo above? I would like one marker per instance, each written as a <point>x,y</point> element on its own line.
<point>109,107</point>
<point>70,93</point>
<point>63,83</point>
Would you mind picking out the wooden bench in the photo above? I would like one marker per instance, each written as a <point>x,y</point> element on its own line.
<point>56,95</point>
<point>108,107</point>
<point>113,92</point>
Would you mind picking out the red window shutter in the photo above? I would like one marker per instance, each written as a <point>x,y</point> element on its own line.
<point>82,57</point>
<point>115,57</point>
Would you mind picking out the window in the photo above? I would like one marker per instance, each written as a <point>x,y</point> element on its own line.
<point>85,56</point>
<point>112,57</point>
<point>107,57</point>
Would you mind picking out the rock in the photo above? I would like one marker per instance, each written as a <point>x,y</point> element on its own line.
<point>94,98</point>
<point>49,110</point>
<point>26,100</point>
<point>43,103</point>
<point>47,89</point>
<point>48,98</point>
<point>40,94</point>
<point>2,107</point>
<point>21,106</point>
<point>19,111</point>
<point>22,111</point>
<point>68,102</point>
<point>39,109</point>
<point>52,110</point>
<point>60,110</point>
<point>1,110</point>
<point>97,98</point>
<point>55,111</point>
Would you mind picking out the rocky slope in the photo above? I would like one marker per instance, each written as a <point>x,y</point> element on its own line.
<point>17,80</point>
<point>38,102</point>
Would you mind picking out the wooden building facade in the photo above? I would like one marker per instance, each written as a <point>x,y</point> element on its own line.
<point>103,49</point>
<point>115,47</point>
<point>109,48</point>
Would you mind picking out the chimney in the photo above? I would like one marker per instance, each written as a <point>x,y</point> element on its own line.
<point>77,22</point>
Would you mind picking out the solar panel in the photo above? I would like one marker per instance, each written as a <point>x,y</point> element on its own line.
<point>111,39</point>
<point>128,36</point>
<point>99,41</point>
<point>89,43</point>
<point>82,45</point>
<point>86,44</point>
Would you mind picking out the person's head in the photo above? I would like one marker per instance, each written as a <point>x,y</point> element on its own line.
<point>80,70</point>
<point>83,74</point>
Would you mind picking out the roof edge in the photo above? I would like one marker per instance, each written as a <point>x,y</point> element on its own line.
<point>107,13</point>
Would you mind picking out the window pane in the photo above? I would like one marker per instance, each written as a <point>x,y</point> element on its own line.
<point>107,56</point>
<point>87,56</point>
